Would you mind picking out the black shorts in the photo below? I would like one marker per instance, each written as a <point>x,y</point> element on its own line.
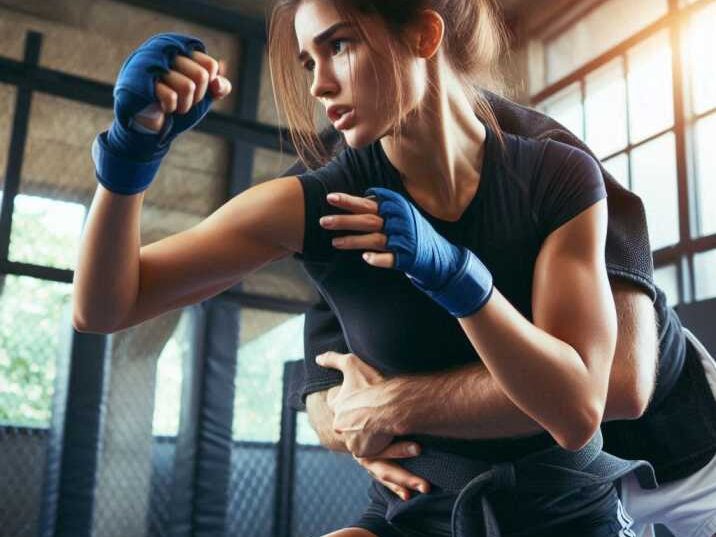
<point>591,512</point>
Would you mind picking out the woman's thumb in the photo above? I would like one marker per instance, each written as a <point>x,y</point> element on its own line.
<point>220,87</point>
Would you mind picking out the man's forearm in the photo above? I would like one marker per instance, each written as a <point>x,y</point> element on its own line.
<point>466,402</point>
<point>463,402</point>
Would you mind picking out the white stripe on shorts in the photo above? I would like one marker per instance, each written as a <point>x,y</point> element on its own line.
<point>625,520</point>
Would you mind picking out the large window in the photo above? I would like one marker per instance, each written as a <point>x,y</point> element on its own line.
<point>267,340</point>
<point>637,83</point>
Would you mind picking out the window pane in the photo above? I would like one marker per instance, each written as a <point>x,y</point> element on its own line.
<point>651,107</point>
<point>706,174</point>
<point>167,394</point>
<point>267,340</point>
<point>705,273</point>
<point>606,109</point>
<point>700,47</point>
<point>566,107</point>
<point>619,168</point>
<point>667,279</point>
<point>598,31</point>
<point>33,315</point>
<point>46,231</point>
<point>654,180</point>
<point>57,183</point>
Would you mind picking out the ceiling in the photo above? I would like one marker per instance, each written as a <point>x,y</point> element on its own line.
<point>256,8</point>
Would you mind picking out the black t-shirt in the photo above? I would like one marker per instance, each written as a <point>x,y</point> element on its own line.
<point>673,433</point>
<point>526,191</point>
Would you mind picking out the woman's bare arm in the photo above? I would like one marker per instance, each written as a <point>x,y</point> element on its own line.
<point>556,368</point>
<point>117,284</point>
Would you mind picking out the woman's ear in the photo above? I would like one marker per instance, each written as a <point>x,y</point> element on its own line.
<point>430,29</point>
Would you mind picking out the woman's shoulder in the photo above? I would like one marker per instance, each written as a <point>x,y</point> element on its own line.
<point>546,155</point>
<point>347,168</point>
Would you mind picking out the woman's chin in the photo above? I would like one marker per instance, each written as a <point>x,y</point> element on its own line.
<point>357,138</point>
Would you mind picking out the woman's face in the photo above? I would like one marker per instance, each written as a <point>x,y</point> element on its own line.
<point>363,107</point>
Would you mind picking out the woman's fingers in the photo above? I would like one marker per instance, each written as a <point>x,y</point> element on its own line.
<point>352,222</point>
<point>371,241</point>
<point>184,87</point>
<point>354,204</point>
<point>212,67</point>
<point>167,97</point>
<point>380,260</point>
<point>365,218</point>
<point>196,73</point>
<point>188,81</point>
<point>220,86</point>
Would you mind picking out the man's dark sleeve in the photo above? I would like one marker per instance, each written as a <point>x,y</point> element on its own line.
<point>628,252</point>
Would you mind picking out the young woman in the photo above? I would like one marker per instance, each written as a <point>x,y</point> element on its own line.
<point>488,245</point>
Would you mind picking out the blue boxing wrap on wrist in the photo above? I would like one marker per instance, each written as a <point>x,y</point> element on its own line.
<point>451,275</point>
<point>467,291</point>
<point>125,159</point>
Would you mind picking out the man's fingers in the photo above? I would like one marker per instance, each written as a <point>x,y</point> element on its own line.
<point>391,475</point>
<point>331,395</point>
<point>354,204</point>
<point>332,359</point>
<point>399,450</point>
<point>403,493</point>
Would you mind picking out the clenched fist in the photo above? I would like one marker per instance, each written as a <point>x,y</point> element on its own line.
<point>164,88</point>
<point>184,86</point>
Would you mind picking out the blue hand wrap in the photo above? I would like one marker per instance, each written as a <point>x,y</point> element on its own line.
<point>451,275</point>
<point>125,159</point>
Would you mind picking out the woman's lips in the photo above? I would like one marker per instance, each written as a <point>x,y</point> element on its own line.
<point>345,121</point>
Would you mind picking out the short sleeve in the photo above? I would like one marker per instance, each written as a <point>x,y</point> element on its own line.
<point>628,252</point>
<point>335,176</point>
<point>569,182</point>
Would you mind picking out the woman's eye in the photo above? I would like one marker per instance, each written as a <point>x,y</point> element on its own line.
<point>335,48</point>
<point>338,42</point>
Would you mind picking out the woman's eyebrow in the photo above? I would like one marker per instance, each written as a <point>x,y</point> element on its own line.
<point>323,36</point>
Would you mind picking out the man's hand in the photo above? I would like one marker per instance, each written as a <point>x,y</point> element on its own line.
<point>359,405</point>
<point>392,475</point>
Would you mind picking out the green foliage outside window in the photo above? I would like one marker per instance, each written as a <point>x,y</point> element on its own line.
<point>33,312</point>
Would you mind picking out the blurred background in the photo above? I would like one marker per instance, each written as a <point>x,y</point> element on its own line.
<point>118,435</point>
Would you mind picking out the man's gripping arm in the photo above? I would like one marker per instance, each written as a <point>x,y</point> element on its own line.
<point>473,407</point>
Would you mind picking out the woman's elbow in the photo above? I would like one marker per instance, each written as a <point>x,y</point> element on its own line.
<point>582,427</point>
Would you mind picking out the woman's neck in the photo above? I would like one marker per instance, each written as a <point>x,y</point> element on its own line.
<point>441,150</point>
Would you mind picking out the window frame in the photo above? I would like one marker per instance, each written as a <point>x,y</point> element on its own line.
<point>682,253</point>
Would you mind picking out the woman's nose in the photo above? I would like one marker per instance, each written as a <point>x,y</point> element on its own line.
<point>324,81</point>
